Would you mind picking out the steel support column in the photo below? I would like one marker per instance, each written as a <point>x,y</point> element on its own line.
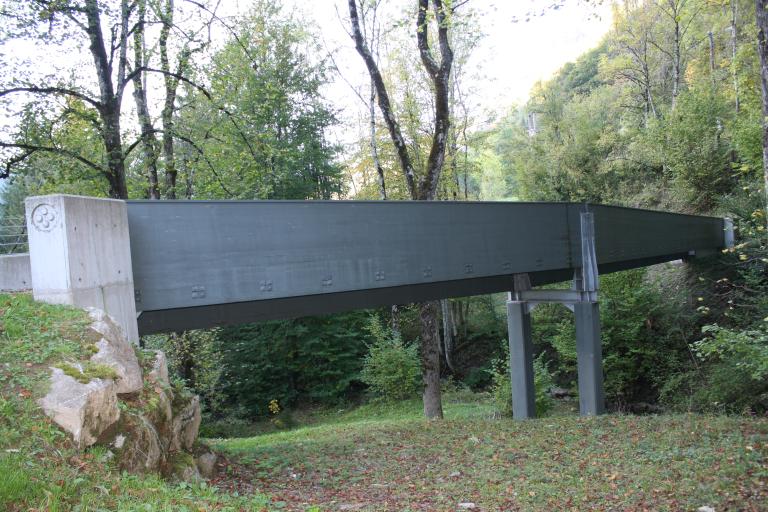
<point>521,360</point>
<point>589,358</point>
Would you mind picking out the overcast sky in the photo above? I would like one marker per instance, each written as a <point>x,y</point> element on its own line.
<point>511,57</point>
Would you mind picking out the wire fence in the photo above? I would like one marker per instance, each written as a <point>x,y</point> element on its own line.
<point>13,235</point>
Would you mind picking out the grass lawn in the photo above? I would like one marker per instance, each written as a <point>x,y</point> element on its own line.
<point>378,458</point>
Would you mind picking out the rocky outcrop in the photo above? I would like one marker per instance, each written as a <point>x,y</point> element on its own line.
<point>127,403</point>
<point>83,410</point>
<point>185,425</point>
<point>114,350</point>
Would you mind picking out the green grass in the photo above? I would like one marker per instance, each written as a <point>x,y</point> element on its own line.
<point>377,457</point>
<point>389,458</point>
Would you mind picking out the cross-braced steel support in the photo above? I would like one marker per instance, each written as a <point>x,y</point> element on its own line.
<point>582,300</point>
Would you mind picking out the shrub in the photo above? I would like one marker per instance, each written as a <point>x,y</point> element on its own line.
<point>391,368</point>
<point>502,386</point>
<point>733,376</point>
<point>313,360</point>
<point>193,357</point>
<point>643,326</point>
<point>478,379</point>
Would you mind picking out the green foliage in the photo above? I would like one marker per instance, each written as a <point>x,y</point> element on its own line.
<point>502,386</point>
<point>731,373</point>
<point>695,147</point>
<point>748,350</point>
<point>194,358</point>
<point>644,315</point>
<point>312,360</point>
<point>391,368</point>
<point>732,376</point>
<point>276,119</point>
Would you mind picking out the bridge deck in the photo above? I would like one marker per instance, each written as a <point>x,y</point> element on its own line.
<point>199,264</point>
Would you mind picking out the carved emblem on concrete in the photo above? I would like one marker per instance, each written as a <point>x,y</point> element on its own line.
<point>44,217</point>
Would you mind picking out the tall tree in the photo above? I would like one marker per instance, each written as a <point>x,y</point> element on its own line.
<point>762,49</point>
<point>148,139</point>
<point>425,188</point>
<point>110,69</point>
<point>265,135</point>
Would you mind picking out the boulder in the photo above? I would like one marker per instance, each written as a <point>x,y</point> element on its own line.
<point>138,445</point>
<point>159,426</point>
<point>186,424</point>
<point>184,468</point>
<point>83,410</point>
<point>115,351</point>
<point>206,464</point>
<point>159,371</point>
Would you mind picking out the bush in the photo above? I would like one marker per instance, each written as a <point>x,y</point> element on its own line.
<point>643,326</point>
<point>194,358</point>
<point>478,379</point>
<point>391,368</point>
<point>314,360</point>
<point>733,376</point>
<point>502,386</point>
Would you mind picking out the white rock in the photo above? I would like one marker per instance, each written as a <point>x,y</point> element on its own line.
<point>705,508</point>
<point>83,410</point>
<point>467,506</point>
<point>159,372</point>
<point>185,425</point>
<point>189,474</point>
<point>116,352</point>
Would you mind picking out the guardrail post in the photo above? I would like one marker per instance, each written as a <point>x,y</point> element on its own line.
<point>80,254</point>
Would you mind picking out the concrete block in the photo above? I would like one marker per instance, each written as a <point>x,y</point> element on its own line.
<point>15,274</point>
<point>80,254</point>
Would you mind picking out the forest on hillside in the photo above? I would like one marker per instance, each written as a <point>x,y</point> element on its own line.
<point>665,113</point>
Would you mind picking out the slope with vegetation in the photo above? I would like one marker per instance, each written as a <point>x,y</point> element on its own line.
<point>40,467</point>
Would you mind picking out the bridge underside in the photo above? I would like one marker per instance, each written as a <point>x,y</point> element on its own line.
<point>205,264</point>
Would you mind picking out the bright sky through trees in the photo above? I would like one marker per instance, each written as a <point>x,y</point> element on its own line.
<point>511,58</point>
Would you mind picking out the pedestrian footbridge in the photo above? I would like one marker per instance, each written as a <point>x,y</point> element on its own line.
<point>174,265</point>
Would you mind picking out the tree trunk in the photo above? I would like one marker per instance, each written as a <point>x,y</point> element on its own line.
<point>734,51</point>
<point>430,360</point>
<point>170,99</point>
<point>374,148</point>
<point>110,99</point>
<point>676,65</point>
<point>384,103</point>
<point>439,73</point>
<point>712,59</point>
<point>762,48</point>
<point>148,139</point>
<point>449,332</point>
